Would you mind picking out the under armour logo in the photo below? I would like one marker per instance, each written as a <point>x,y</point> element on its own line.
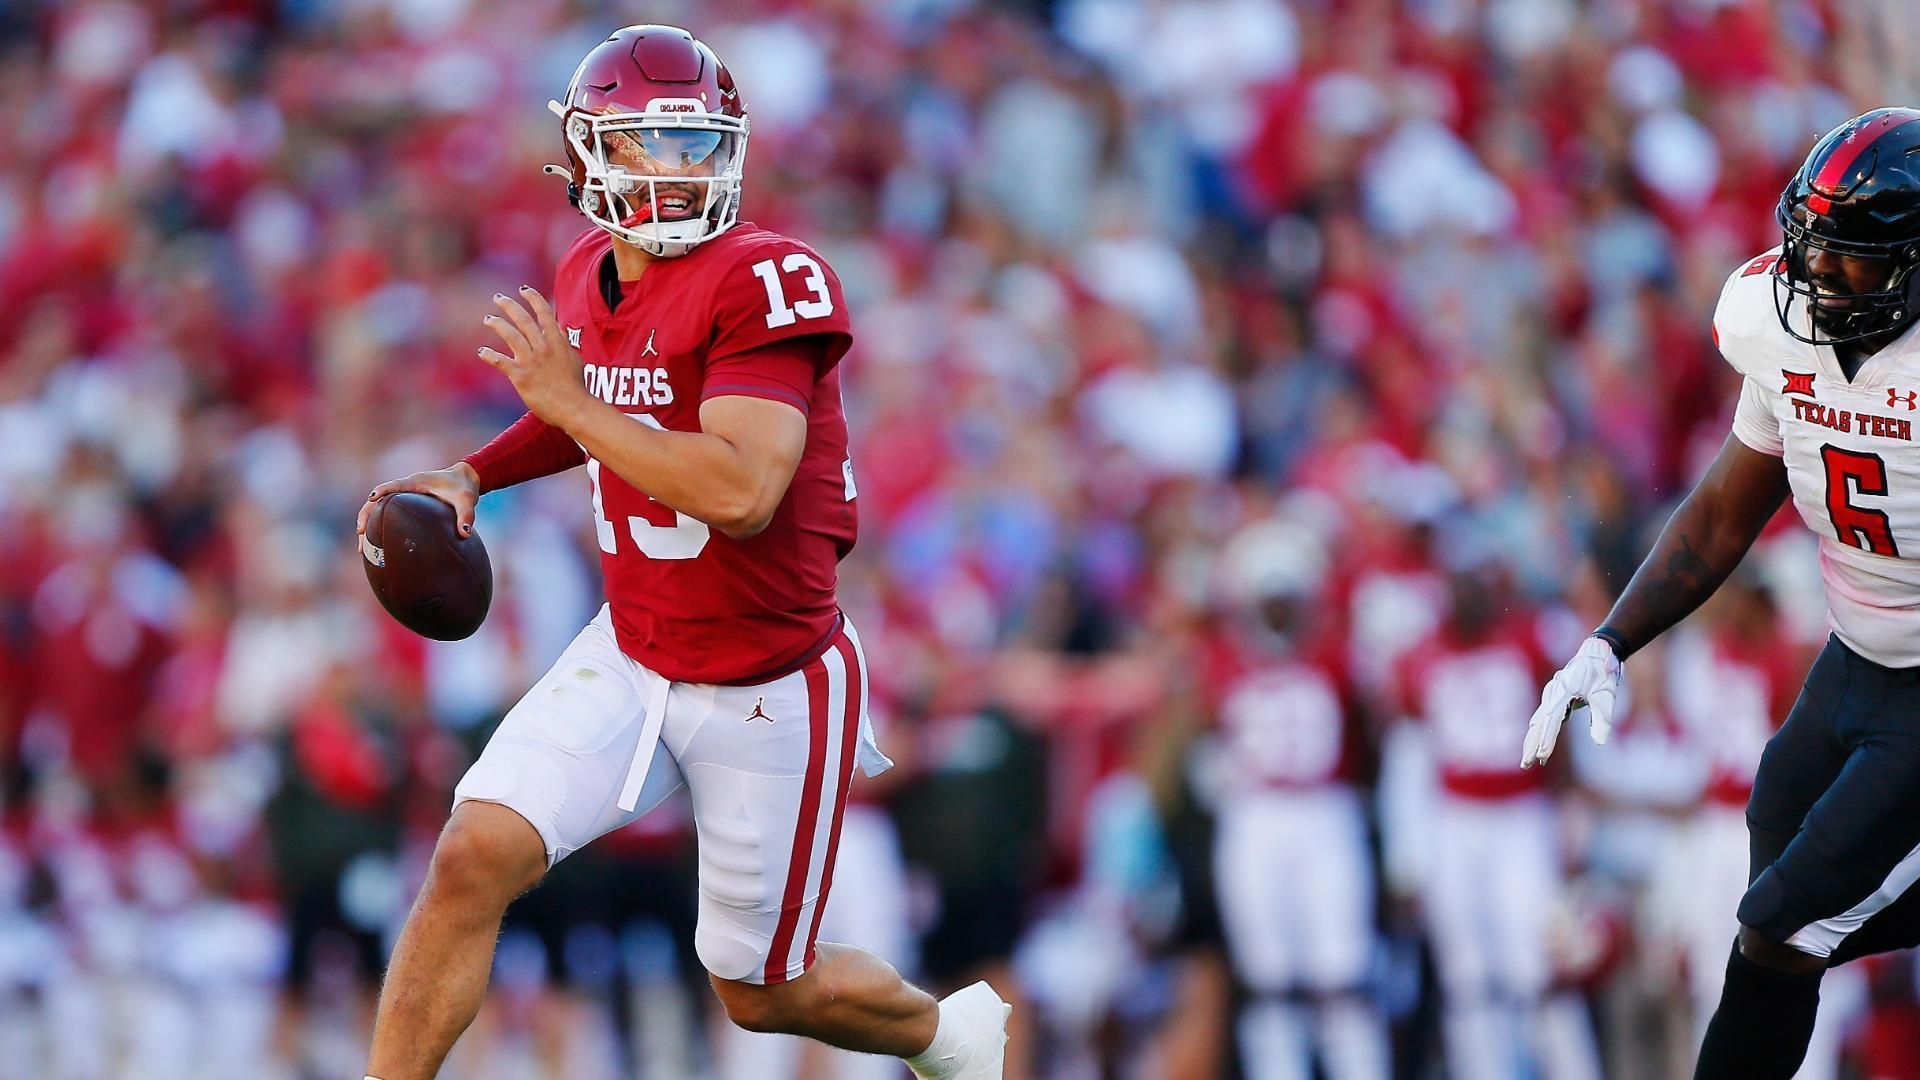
<point>1798,382</point>
<point>649,350</point>
<point>573,336</point>
<point>1895,397</point>
<point>758,712</point>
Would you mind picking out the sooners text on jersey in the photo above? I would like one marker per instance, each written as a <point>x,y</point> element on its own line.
<point>688,602</point>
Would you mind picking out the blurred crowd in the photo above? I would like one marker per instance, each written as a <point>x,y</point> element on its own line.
<point>1253,402</point>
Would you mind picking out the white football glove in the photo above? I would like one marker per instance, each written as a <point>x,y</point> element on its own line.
<point>1591,682</point>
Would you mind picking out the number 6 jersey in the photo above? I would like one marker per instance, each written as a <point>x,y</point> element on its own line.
<point>1850,456</point>
<point>750,313</point>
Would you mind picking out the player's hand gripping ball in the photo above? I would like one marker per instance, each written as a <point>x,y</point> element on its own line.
<point>434,579</point>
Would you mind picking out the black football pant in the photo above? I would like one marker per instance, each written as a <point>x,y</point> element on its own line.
<point>1835,813</point>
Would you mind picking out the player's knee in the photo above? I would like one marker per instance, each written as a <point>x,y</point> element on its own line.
<point>487,856</point>
<point>727,953</point>
<point>1776,956</point>
<point>765,1009</point>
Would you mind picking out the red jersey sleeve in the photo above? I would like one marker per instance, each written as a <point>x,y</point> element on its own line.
<point>784,370</point>
<point>779,291</point>
<point>527,450</point>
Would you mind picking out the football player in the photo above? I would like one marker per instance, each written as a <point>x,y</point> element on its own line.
<point>1292,866</point>
<point>688,361</point>
<point>1496,858</point>
<point>1821,328</point>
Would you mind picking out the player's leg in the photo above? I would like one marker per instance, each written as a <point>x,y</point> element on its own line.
<point>869,911</point>
<point>1457,894</point>
<point>1770,992</point>
<point>1524,883</point>
<point>437,977</point>
<point>1334,871</point>
<point>768,768</point>
<point>1858,852</point>
<point>546,784</point>
<point>1257,904</point>
<point>1895,928</point>
<point>847,998</point>
<point>1844,998</point>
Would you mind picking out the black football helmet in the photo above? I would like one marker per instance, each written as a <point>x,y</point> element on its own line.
<point>1858,194</point>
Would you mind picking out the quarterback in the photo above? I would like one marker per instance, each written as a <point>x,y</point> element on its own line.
<point>688,360</point>
<point>1822,329</point>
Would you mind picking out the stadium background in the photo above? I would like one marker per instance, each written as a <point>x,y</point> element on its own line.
<point>1427,281</point>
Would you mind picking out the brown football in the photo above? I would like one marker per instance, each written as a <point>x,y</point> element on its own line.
<point>437,583</point>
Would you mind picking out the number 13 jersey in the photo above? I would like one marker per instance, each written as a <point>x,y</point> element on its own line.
<point>688,602</point>
<point>1850,455</point>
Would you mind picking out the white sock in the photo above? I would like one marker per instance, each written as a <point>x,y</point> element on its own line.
<point>941,1058</point>
<point>1273,1041</point>
<point>1354,1041</point>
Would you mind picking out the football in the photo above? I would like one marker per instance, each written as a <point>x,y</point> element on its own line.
<point>437,583</point>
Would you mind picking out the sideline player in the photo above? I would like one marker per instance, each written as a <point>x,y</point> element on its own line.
<point>1293,871</point>
<point>1496,861</point>
<point>688,360</point>
<point>1821,328</point>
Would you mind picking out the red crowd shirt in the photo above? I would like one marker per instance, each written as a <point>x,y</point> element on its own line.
<point>750,313</point>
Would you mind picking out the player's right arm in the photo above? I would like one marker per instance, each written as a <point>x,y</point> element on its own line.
<point>1702,542</point>
<point>527,450</point>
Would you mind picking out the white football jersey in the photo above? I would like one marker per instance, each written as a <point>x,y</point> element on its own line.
<point>1850,456</point>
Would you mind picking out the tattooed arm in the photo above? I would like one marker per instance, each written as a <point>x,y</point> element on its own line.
<point>1704,540</point>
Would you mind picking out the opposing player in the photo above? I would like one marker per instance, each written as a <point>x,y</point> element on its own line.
<point>688,360</point>
<point>1821,328</point>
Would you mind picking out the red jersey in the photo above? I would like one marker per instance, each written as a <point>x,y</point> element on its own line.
<point>1285,717</point>
<point>1730,696</point>
<point>1476,699</point>
<point>688,602</point>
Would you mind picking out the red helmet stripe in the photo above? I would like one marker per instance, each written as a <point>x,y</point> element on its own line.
<point>1827,181</point>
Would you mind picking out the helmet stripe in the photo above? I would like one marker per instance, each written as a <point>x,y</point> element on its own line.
<point>1827,181</point>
